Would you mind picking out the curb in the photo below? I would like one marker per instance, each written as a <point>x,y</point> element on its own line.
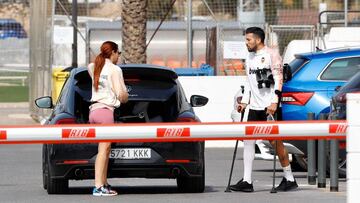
<point>14,105</point>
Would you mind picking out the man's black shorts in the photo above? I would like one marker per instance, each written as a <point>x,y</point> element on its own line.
<point>260,115</point>
<point>257,115</point>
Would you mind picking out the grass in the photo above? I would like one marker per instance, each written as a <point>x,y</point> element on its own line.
<point>14,93</point>
<point>12,90</point>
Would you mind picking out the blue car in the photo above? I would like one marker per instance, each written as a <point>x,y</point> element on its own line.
<point>312,80</point>
<point>10,28</point>
<point>315,76</point>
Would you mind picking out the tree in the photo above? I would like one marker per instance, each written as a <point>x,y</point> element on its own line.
<point>134,30</point>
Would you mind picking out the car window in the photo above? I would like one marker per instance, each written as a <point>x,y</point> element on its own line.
<point>297,64</point>
<point>62,96</point>
<point>352,85</point>
<point>341,69</point>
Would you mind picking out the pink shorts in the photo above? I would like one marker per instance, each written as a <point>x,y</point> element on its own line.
<point>101,116</point>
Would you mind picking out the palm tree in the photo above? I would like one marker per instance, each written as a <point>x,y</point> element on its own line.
<point>134,16</point>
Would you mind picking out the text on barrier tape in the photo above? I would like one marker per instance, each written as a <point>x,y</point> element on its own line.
<point>262,130</point>
<point>78,133</point>
<point>2,135</point>
<point>337,128</point>
<point>173,132</point>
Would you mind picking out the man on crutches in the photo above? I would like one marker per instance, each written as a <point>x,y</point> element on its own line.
<point>264,74</point>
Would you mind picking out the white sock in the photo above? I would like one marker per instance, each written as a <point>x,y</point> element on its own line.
<point>249,155</point>
<point>288,173</point>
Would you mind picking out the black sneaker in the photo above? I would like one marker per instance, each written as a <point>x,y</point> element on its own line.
<point>242,186</point>
<point>286,185</point>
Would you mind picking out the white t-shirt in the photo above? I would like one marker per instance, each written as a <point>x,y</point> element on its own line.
<point>106,95</point>
<point>260,98</point>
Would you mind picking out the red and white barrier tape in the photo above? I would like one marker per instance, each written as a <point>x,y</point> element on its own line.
<point>173,132</point>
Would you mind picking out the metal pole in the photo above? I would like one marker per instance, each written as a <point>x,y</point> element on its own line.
<point>311,150</point>
<point>74,45</point>
<point>322,159</point>
<point>346,13</point>
<point>334,161</point>
<point>189,34</point>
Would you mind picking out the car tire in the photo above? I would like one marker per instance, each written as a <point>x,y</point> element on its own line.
<point>341,167</point>
<point>191,184</point>
<point>45,172</point>
<point>55,186</point>
<point>299,163</point>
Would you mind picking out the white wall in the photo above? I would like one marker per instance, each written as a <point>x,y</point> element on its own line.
<point>221,91</point>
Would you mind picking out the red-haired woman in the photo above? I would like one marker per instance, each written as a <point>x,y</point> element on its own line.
<point>108,92</point>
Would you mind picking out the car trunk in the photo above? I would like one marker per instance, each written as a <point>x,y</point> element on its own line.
<point>153,96</point>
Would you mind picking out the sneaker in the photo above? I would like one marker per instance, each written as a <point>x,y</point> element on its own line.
<point>104,191</point>
<point>242,186</point>
<point>286,185</point>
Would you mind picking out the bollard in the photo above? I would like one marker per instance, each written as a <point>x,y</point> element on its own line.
<point>334,161</point>
<point>311,151</point>
<point>322,158</point>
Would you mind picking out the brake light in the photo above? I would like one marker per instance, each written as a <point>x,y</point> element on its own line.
<point>296,98</point>
<point>177,161</point>
<point>66,121</point>
<point>341,98</point>
<point>70,162</point>
<point>186,119</point>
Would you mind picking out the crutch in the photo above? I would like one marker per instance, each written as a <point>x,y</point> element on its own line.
<point>233,160</point>
<point>271,118</point>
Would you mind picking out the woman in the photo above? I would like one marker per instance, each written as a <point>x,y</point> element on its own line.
<point>108,92</point>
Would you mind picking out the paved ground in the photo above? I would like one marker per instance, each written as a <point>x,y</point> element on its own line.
<point>21,180</point>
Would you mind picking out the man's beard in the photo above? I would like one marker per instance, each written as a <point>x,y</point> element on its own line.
<point>251,49</point>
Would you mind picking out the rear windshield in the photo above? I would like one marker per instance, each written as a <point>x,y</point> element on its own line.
<point>139,89</point>
<point>150,90</point>
<point>297,64</point>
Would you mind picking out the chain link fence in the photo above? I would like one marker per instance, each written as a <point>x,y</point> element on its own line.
<point>14,52</point>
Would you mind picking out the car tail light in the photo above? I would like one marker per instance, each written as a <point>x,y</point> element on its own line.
<point>66,121</point>
<point>70,162</point>
<point>342,144</point>
<point>186,119</point>
<point>178,161</point>
<point>341,98</point>
<point>296,98</point>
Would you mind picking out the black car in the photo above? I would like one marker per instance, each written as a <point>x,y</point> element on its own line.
<point>155,95</point>
<point>338,101</point>
<point>338,112</point>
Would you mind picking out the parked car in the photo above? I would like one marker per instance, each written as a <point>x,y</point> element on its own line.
<point>311,82</point>
<point>338,112</point>
<point>155,95</point>
<point>11,28</point>
<point>338,101</point>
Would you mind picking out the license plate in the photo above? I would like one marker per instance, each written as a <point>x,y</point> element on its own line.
<point>130,153</point>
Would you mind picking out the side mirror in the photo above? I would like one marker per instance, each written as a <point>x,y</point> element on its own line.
<point>198,100</point>
<point>337,88</point>
<point>44,102</point>
<point>287,74</point>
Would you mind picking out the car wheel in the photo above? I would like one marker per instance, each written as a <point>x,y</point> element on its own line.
<point>55,186</point>
<point>191,184</point>
<point>299,163</point>
<point>45,172</point>
<point>341,167</point>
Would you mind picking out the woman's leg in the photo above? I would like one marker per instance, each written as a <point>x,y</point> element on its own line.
<point>102,116</point>
<point>101,163</point>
